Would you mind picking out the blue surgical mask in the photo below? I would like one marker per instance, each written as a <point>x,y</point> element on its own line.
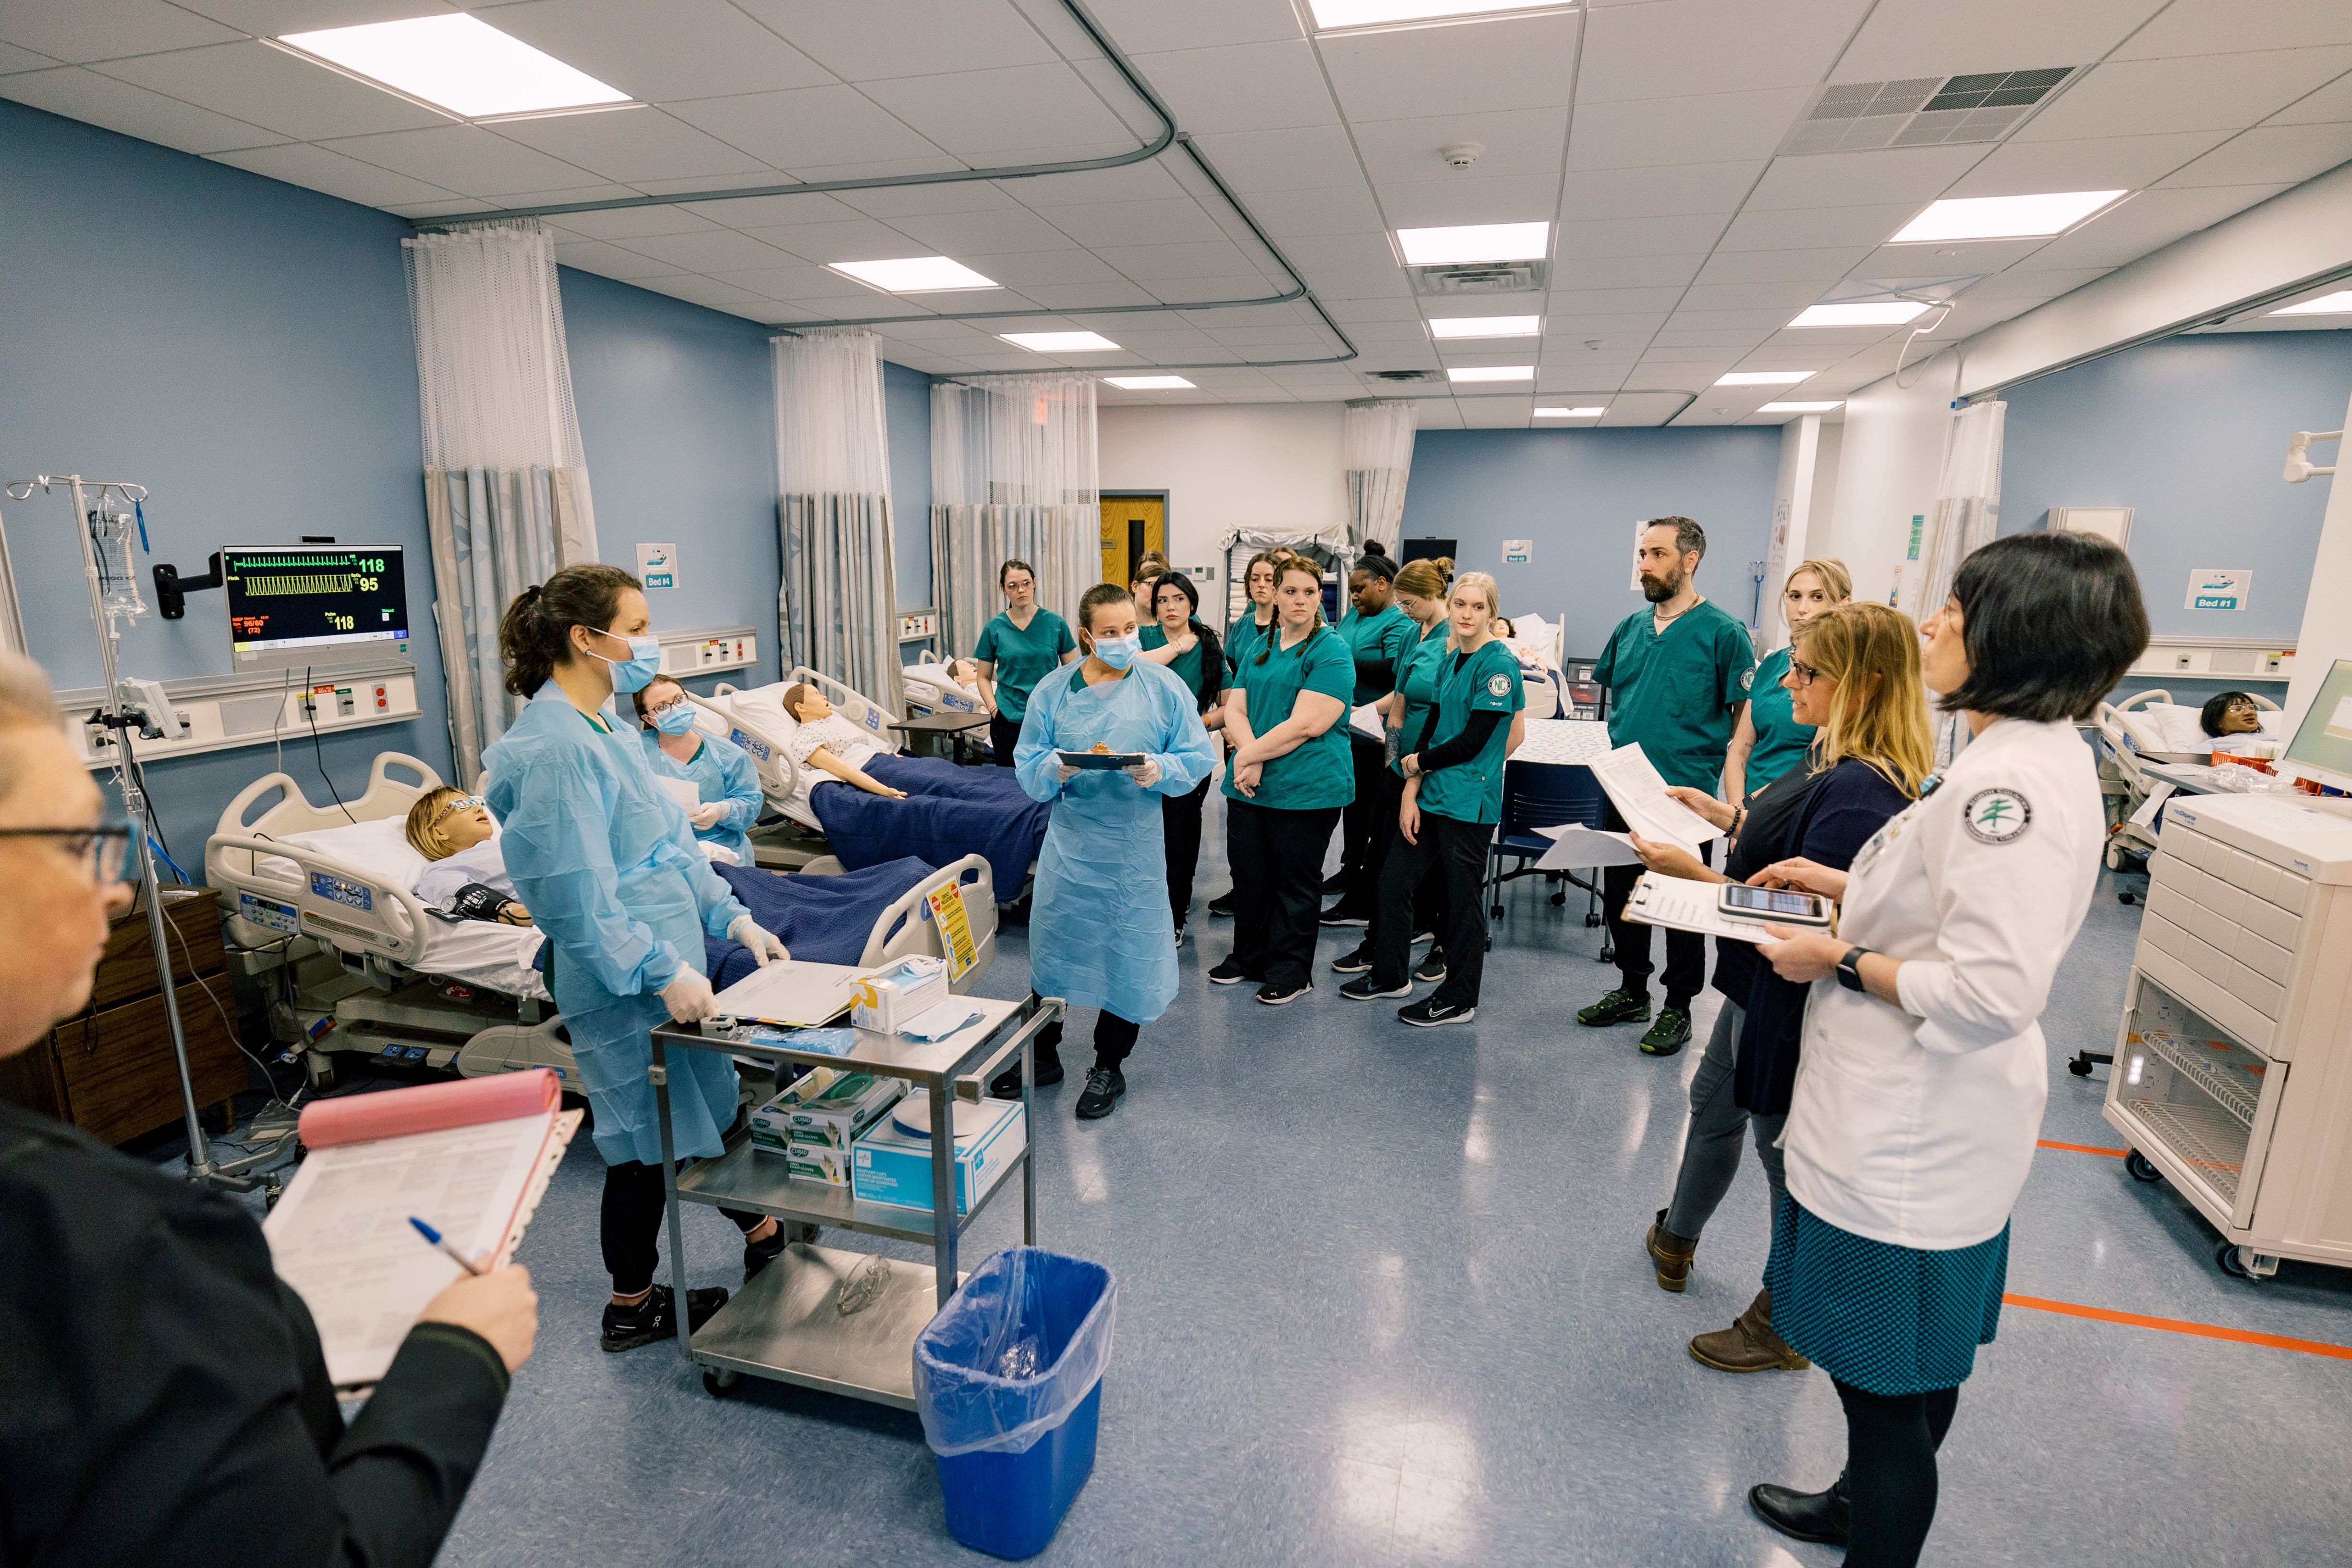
<point>1119,652</point>
<point>674,720</point>
<point>636,672</point>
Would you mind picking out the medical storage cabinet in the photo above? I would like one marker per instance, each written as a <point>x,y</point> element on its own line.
<point>2232,1076</point>
<point>829,1318</point>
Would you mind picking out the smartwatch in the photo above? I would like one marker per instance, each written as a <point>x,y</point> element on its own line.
<point>1849,968</point>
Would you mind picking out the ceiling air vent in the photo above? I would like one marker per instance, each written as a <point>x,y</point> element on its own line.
<point>1920,112</point>
<point>1405,377</point>
<point>1478,278</point>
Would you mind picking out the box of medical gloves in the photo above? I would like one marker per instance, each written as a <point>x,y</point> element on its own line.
<point>899,993</point>
<point>815,1163</point>
<point>833,1116</point>
<point>890,1166</point>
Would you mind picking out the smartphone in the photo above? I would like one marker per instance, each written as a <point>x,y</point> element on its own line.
<point>1774,904</point>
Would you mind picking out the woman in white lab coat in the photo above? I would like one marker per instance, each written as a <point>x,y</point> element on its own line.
<point>1920,1086</point>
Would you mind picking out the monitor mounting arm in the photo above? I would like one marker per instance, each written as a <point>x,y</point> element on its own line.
<point>171,589</point>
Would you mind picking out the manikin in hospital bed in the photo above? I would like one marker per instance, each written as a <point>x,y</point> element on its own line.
<point>1536,647</point>
<point>950,688</point>
<point>375,970</point>
<point>2149,726</point>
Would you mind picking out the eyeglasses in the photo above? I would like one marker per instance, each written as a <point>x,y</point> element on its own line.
<point>463,802</point>
<point>658,708</point>
<point>106,850</point>
<point>1802,674</point>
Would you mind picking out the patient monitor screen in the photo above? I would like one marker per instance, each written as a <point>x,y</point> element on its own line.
<point>313,605</point>
<point>2324,741</point>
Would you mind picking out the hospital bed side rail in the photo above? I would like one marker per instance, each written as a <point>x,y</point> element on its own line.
<point>332,900</point>
<point>906,926</point>
<point>779,775</point>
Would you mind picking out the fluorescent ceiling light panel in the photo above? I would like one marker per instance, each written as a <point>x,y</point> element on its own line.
<point>1147,382</point>
<point>1765,378</point>
<point>1330,14</point>
<point>1060,343</point>
<point>1876,313</point>
<point>1493,373</point>
<point>1487,327</point>
<point>2003,217</point>
<point>1475,242</point>
<point>1799,407</point>
<point>1570,412</point>
<point>458,63</point>
<point>2337,304</point>
<point>914,275</point>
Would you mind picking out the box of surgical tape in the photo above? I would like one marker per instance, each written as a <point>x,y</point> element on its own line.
<point>891,1166</point>
<point>832,1114</point>
<point>899,993</point>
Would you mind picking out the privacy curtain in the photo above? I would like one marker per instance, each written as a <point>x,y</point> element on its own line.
<point>1966,514</point>
<point>1376,452</point>
<point>506,479</point>
<point>837,605</point>
<point>1013,478</point>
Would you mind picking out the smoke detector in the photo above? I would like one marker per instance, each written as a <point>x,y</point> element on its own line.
<point>1462,154</point>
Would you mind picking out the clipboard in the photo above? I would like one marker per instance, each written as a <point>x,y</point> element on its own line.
<point>793,995</point>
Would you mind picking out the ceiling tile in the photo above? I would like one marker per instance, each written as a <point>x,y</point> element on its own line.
<point>1140,26</point>
<point>712,250</point>
<point>1033,269</point>
<point>858,170</point>
<point>1659,193</point>
<point>274,19</point>
<point>2208,92</point>
<point>983,233</point>
<point>1636,236</point>
<point>1243,87</point>
<point>1657,130</point>
<point>806,126</point>
<point>84,30</point>
<point>2268,154</point>
<point>1625,271</point>
<point>803,282</point>
<point>13,58</point>
<point>1677,48</point>
<point>1503,62</point>
<point>1362,283</point>
<point>2331,104</point>
<point>467,159</point>
<point>1294,160</point>
<point>1337,209</point>
<point>705,291</point>
<point>269,87</point>
<point>1563,331</point>
<point>634,144</point>
<point>1913,174</point>
<point>2217,27</point>
<point>1243,287</point>
<point>609,260</point>
<point>1496,413</point>
<point>2093,164</point>
<point>297,163</point>
<point>630,223</point>
<point>1919,38</point>
<point>2149,221</point>
<point>1038,110</point>
<point>133,111</point>
<point>1520,142</point>
<point>1148,263</point>
<point>1514,198</point>
<point>1773,295</point>
<point>564,196</point>
<point>1713,338</point>
<point>867,40</point>
<point>1977,258</point>
<point>853,239</point>
<point>678,50</point>
<point>1754,309</point>
<point>1815,228</point>
<point>1089,296</point>
<point>1567,300</point>
<point>453,206</point>
<point>770,212</point>
<point>1348,311</point>
<point>1178,220</point>
<point>1341,253</point>
<point>1823,265</point>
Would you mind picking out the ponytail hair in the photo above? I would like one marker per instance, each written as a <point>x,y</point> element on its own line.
<point>1424,579</point>
<point>1273,633</point>
<point>535,634</point>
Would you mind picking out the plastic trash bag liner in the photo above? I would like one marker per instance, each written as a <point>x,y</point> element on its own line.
<point>1013,1352</point>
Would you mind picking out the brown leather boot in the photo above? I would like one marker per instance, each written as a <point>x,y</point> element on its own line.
<point>1671,1255</point>
<point>1750,1344</point>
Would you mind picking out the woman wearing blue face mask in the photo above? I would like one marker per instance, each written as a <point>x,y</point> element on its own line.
<point>607,864</point>
<point>721,771</point>
<point>1097,939</point>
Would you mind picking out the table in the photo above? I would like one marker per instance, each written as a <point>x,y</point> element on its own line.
<point>950,725</point>
<point>2186,778</point>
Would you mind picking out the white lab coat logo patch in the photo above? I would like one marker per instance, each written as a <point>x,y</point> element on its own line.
<point>1498,685</point>
<point>1997,815</point>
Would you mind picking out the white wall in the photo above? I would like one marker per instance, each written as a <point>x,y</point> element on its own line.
<point>1227,466</point>
<point>1888,460</point>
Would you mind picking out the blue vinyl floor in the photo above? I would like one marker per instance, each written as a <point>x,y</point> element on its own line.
<point>1383,1299</point>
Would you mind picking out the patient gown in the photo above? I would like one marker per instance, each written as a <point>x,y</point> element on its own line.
<point>1099,932</point>
<point>607,864</point>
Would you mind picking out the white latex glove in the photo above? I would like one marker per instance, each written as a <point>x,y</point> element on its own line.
<point>1145,772</point>
<point>707,814</point>
<point>688,997</point>
<point>765,946</point>
<point>1069,772</point>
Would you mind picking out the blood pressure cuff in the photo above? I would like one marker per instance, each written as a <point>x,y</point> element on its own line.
<point>476,902</point>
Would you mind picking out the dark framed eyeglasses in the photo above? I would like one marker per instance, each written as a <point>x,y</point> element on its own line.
<point>1802,674</point>
<point>108,850</point>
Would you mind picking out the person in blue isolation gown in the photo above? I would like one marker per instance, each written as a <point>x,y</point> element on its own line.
<point>722,771</point>
<point>1100,934</point>
<point>608,866</point>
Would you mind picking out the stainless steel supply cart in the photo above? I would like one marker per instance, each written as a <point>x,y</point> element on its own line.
<point>789,1321</point>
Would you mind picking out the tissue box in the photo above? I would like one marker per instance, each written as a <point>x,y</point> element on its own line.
<point>899,991</point>
<point>834,1117</point>
<point>888,1166</point>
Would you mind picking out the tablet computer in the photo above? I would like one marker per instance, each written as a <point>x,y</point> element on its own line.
<point>1102,759</point>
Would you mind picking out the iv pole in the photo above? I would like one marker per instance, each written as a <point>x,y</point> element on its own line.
<point>201,1165</point>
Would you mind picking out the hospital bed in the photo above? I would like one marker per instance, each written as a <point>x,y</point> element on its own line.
<point>2149,726</point>
<point>326,896</point>
<point>1536,645</point>
<point>930,689</point>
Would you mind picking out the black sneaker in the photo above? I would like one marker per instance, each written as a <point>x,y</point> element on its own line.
<point>1274,993</point>
<point>1231,973</point>
<point>1367,989</point>
<point>1357,962</point>
<point>1432,968</point>
<point>1339,914</point>
<point>1006,1085</point>
<point>1221,906</point>
<point>1420,936</point>
<point>1670,1034</point>
<point>1430,1013</point>
<point>758,1254</point>
<point>626,1328</point>
<point>1619,1006</point>
<point>1104,1086</point>
<point>1337,882</point>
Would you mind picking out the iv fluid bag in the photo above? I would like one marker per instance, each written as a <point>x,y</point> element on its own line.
<point>111,529</point>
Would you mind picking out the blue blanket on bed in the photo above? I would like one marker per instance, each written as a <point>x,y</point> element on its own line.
<point>823,920</point>
<point>950,812</point>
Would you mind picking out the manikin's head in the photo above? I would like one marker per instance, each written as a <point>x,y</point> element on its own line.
<point>446,820</point>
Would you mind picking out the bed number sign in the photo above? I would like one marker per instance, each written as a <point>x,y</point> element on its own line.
<point>268,913</point>
<point>336,891</point>
<point>947,910</point>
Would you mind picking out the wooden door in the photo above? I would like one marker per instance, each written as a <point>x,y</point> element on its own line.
<point>1133,527</point>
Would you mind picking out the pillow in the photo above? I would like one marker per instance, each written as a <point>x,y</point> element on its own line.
<point>379,847</point>
<point>2182,727</point>
<point>764,706</point>
<point>2141,730</point>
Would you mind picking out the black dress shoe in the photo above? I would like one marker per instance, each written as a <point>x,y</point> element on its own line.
<point>1006,1085</point>
<point>1822,1517</point>
<point>1223,904</point>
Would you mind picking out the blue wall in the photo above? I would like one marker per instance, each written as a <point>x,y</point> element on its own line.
<point>1577,493</point>
<point>907,410</point>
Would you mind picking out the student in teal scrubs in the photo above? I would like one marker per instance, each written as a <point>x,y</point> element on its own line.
<point>1018,648</point>
<point>1377,634</point>
<point>1678,675</point>
<point>1770,740</point>
<point>1453,798</point>
<point>1180,639</point>
<point>1290,777</point>
<point>1241,642</point>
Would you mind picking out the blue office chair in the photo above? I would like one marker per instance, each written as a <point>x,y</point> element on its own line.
<point>1545,794</point>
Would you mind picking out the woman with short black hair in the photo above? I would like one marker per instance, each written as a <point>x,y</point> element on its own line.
<point>1921,1080</point>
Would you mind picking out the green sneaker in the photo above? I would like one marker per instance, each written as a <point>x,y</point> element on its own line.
<point>1619,1006</point>
<point>1670,1034</point>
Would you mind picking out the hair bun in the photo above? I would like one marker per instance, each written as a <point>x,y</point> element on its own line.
<point>1445,564</point>
<point>1374,547</point>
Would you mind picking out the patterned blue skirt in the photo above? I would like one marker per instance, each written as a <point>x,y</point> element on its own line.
<point>1883,1318</point>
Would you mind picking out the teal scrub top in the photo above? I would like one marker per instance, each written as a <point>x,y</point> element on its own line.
<point>1022,659</point>
<point>1240,643</point>
<point>1781,741</point>
<point>1319,772</point>
<point>1416,677</point>
<point>1377,642</point>
<point>1673,692</point>
<point>1185,666</point>
<point>1487,681</point>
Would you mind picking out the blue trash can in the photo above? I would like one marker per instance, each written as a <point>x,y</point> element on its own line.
<point>1008,1381</point>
